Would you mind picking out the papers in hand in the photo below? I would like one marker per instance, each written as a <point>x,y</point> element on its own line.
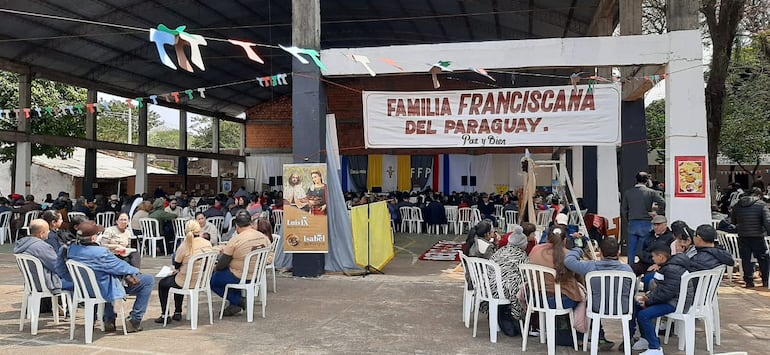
<point>165,271</point>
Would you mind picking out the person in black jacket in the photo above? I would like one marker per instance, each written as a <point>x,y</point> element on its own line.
<point>659,237</point>
<point>663,299</point>
<point>708,256</point>
<point>752,219</point>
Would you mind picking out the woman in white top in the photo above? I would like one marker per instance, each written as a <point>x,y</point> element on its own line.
<point>208,230</point>
<point>189,211</point>
<point>117,238</point>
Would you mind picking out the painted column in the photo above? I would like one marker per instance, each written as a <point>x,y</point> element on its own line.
<point>686,126</point>
<point>23,149</point>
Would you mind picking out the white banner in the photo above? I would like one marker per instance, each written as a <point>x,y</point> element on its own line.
<point>536,116</point>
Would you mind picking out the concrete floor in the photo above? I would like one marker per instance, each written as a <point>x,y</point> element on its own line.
<point>414,308</point>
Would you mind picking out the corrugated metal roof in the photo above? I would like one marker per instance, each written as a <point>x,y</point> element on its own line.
<point>127,62</point>
<point>107,166</point>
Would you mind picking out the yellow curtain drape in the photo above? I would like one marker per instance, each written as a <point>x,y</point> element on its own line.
<point>374,175</point>
<point>404,173</point>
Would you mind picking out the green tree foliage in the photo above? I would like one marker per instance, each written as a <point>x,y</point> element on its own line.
<point>655,113</point>
<point>746,126</point>
<point>112,126</point>
<point>202,134</point>
<point>165,138</point>
<point>44,94</point>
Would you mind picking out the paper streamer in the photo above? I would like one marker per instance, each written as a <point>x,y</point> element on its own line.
<point>296,51</point>
<point>247,47</point>
<point>161,39</point>
<point>364,60</point>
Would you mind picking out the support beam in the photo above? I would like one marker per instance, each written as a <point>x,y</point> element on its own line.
<point>89,171</point>
<point>140,161</point>
<point>23,161</point>
<point>15,136</point>
<point>215,147</point>
<point>309,113</point>
<point>541,53</point>
<point>43,72</point>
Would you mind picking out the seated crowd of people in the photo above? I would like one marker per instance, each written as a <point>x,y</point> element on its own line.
<point>117,266</point>
<point>664,257</point>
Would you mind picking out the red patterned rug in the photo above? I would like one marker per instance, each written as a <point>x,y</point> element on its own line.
<point>444,250</point>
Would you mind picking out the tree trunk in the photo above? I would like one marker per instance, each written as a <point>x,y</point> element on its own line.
<point>722,23</point>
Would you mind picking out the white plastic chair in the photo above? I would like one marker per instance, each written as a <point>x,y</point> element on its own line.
<point>271,266</point>
<point>468,295</point>
<point>464,217</point>
<point>476,216</point>
<point>705,284</point>
<point>87,291</point>
<point>537,301</point>
<point>105,219</point>
<point>200,266</point>
<point>28,217</point>
<point>500,215</point>
<point>487,283</point>
<point>217,221</point>
<point>544,218</point>
<point>5,226</point>
<point>451,219</point>
<point>179,227</point>
<point>278,218</point>
<point>417,219</point>
<point>151,235</point>
<point>730,242</point>
<point>201,208</point>
<point>35,289</point>
<point>71,215</point>
<point>617,302</point>
<point>510,219</point>
<point>252,281</point>
<point>406,219</point>
<point>574,217</point>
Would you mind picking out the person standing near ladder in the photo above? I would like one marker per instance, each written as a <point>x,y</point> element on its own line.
<point>637,209</point>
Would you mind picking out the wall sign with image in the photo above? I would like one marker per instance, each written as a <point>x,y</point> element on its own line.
<point>691,176</point>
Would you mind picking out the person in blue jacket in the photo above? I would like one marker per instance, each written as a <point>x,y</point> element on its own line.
<point>110,272</point>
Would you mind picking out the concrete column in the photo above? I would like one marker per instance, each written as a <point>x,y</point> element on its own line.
<point>215,148</point>
<point>686,133</point>
<point>181,167</point>
<point>182,129</point>
<point>23,149</point>
<point>577,170</point>
<point>607,197</point>
<point>242,165</point>
<point>89,171</point>
<point>309,112</point>
<point>140,159</point>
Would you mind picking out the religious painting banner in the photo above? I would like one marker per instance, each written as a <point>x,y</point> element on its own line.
<point>511,117</point>
<point>305,196</point>
<point>691,176</point>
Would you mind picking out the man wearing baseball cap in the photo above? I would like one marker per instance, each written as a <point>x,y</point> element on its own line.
<point>230,264</point>
<point>659,237</point>
<point>110,272</point>
<point>708,255</point>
